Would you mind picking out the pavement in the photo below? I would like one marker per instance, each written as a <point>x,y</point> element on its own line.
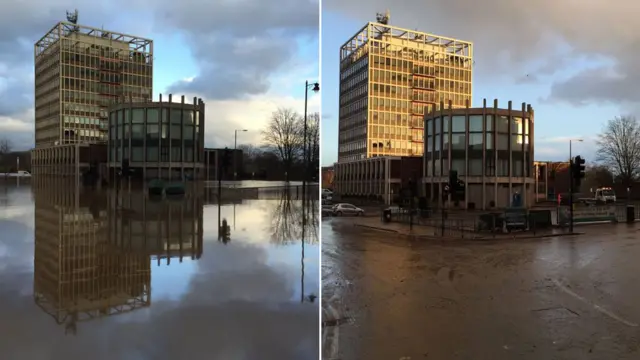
<point>572,297</point>
<point>435,232</point>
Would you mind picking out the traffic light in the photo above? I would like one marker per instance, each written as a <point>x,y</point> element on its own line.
<point>125,167</point>
<point>224,232</point>
<point>578,170</point>
<point>226,159</point>
<point>453,180</point>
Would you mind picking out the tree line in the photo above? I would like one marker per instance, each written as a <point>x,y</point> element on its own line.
<point>282,152</point>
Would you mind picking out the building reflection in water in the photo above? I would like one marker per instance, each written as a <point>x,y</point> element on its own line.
<point>94,249</point>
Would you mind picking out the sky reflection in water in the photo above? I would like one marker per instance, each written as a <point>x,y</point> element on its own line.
<point>83,256</point>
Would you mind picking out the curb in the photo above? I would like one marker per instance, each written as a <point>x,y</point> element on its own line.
<point>378,229</point>
<point>432,237</point>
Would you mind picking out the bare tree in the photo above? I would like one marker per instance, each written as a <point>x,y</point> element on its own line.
<point>5,146</point>
<point>313,138</point>
<point>283,135</point>
<point>619,148</point>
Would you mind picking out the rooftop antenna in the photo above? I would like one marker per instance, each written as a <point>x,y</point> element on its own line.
<point>72,17</point>
<point>383,18</point>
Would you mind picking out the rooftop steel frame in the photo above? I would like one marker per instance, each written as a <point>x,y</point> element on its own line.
<point>378,31</point>
<point>65,29</point>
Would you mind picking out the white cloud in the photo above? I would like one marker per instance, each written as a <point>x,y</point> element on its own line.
<point>222,117</point>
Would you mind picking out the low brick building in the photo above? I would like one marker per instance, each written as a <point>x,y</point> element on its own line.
<point>380,177</point>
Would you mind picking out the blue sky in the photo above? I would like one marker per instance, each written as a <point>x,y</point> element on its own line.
<point>244,59</point>
<point>555,121</point>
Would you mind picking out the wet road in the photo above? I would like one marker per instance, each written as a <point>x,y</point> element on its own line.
<point>116,276</point>
<point>558,298</point>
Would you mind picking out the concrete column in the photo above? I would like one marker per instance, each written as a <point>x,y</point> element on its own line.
<point>495,153</point>
<point>161,106</point>
<point>525,195</point>
<point>182,159</point>
<point>169,120</point>
<point>466,153</point>
<point>484,154</point>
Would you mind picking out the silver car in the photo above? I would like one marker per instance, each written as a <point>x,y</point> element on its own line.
<point>347,209</point>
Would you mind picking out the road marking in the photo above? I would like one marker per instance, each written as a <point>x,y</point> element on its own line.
<point>330,338</point>
<point>595,306</point>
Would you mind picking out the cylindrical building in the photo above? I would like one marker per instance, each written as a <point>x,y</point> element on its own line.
<point>162,140</point>
<point>490,148</point>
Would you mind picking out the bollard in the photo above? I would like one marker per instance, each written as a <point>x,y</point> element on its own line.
<point>631,214</point>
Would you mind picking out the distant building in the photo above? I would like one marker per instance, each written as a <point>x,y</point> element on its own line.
<point>162,139</point>
<point>490,148</point>
<point>387,77</point>
<point>81,71</point>
<point>552,179</point>
<point>212,158</point>
<point>378,177</point>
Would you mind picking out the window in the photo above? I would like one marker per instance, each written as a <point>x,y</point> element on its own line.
<point>503,167</point>
<point>502,142</point>
<point>517,167</point>
<point>152,116</point>
<point>188,132</point>
<point>137,153</point>
<point>475,123</point>
<point>516,126</point>
<point>152,131</point>
<point>475,141</point>
<point>489,141</point>
<point>137,132</point>
<point>458,141</point>
<point>428,127</point>
<point>502,124</point>
<point>137,116</point>
<point>152,153</point>
<point>176,116</point>
<point>475,167</point>
<point>488,121</point>
<point>176,131</point>
<point>459,166</point>
<point>458,124</point>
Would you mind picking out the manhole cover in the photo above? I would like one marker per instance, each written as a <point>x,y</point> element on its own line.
<point>556,313</point>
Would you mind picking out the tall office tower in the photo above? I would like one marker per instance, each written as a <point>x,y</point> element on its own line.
<point>79,72</point>
<point>388,75</point>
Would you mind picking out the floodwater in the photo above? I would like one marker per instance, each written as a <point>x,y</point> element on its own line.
<point>569,298</point>
<point>112,274</point>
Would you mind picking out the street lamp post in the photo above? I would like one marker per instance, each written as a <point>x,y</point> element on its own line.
<point>571,189</point>
<point>235,147</point>
<point>315,87</point>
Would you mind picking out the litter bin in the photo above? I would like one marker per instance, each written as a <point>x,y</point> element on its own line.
<point>631,213</point>
<point>386,215</point>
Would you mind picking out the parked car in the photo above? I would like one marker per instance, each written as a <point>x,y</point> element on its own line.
<point>20,173</point>
<point>347,209</point>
